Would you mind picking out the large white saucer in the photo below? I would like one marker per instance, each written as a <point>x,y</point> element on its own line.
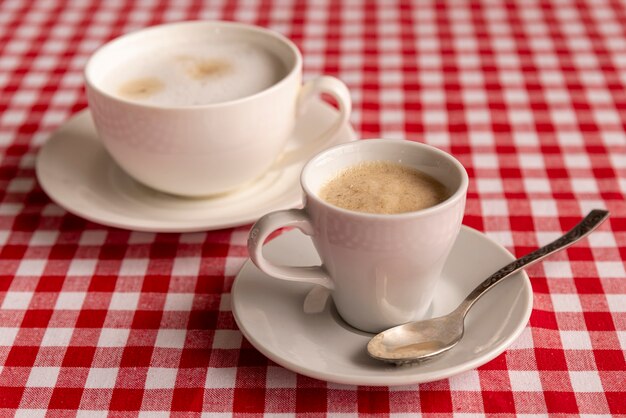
<point>270,314</point>
<point>78,174</point>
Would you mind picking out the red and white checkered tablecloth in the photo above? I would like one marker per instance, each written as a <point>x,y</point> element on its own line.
<point>529,95</point>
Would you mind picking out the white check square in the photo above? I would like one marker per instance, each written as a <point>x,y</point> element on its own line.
<point>563,116</point>
<point>494,207</point>
<point>7,336</point>
<point>16,300</point>
<point>141,238</point>
<point>233,265</point>
<point>171,338</point>
<point>92,238</point>
<point>606,116</point>
<point>124,301</point>
<point>31,268</point>
<point>537,185</point>
<point>279,377</point>
<point>613,137</point>
<point>580,185</point>
<point>113,337</point>
<point>611,269</point>
<point>220,377</point>
<point>474,96</point>
<point>391,96</point>
<point>465,382</point>
<point>186,266</point>
<point>525,139</point>
<point>551,77</point>
<point>225,305</point>
<point>586,381</point>
<point>543,208</point>
<point>227,339</point>
<point>193,238</point>
<point>82,267</point>
<point>30,413</point>
<point>161,378</point>
<point>10,208</point>
<point>90,413</point>
<point>604,239</point>
<point>557,96</point>
<point>485,160</point>
<point>515,96</point>
<point>435,116</point>
<point>570,138</point>
<point>489,185</point>
<point>511,77</point>
<point>482,137</point>
<point>566,303</point>
<point>478,116</point>
<point>577,160</point>
<point>44,238</point>
<point>24,98</point>
<point>101,378</point>
<point>617,302</point>
<point>556,269</point>
<point>391,117</point>
<point>45,377</point>
<point>471,78</point>
<point>521,116</point>
<point>575,340</point>
<point>179,302</point>
<point>525,381</point>
<point>165,414</point>
<point>592,78</point>
<point>431,78</point>
<point>57,337</point>
<point>134,267</point>
<point>70,300</point>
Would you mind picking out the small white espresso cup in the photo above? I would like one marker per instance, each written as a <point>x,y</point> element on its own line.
<point>381,269</point>
<point>206,149</point>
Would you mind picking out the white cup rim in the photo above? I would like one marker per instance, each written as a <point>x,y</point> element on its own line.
<point>458,194</point>
<point>294,70</point>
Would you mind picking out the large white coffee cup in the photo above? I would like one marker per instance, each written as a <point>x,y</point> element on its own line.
<point>381,269</point>
<point>211,148</point>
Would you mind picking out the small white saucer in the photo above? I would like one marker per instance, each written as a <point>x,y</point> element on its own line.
<point>78,174</point>
<point>270,314</point>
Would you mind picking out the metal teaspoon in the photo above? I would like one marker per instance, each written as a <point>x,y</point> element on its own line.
<point>419,340</point>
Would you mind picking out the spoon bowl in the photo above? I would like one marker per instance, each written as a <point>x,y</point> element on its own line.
<point>420,340</point>
<point>436,336</point>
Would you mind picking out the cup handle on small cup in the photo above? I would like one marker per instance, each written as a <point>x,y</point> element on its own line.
<point>270,223</point>
<point>311,89</point>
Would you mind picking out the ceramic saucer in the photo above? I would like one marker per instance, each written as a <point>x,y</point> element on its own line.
<point>77,173</point>
<point>270,314</point>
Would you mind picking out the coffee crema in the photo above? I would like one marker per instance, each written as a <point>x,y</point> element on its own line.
<point>383,187</point>
<point>196,74</point>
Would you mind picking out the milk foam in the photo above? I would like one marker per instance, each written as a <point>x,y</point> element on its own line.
<point>383,187</point>
<point>196,74</point>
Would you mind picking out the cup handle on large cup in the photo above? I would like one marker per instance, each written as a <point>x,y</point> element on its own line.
<point>310,90</point>
<point>270,223</point>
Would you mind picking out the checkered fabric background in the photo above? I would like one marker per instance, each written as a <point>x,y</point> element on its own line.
<point>529,95</point>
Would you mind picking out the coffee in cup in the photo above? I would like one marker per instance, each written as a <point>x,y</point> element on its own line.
<point>381,269</point>
<point>202,108</point>
<point>383,187</point>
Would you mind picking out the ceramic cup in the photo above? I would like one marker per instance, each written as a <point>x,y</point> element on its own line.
<point>207,149</point>
<point>382,270</point>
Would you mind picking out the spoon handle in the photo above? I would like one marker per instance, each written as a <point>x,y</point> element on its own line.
<point>584,227</point>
